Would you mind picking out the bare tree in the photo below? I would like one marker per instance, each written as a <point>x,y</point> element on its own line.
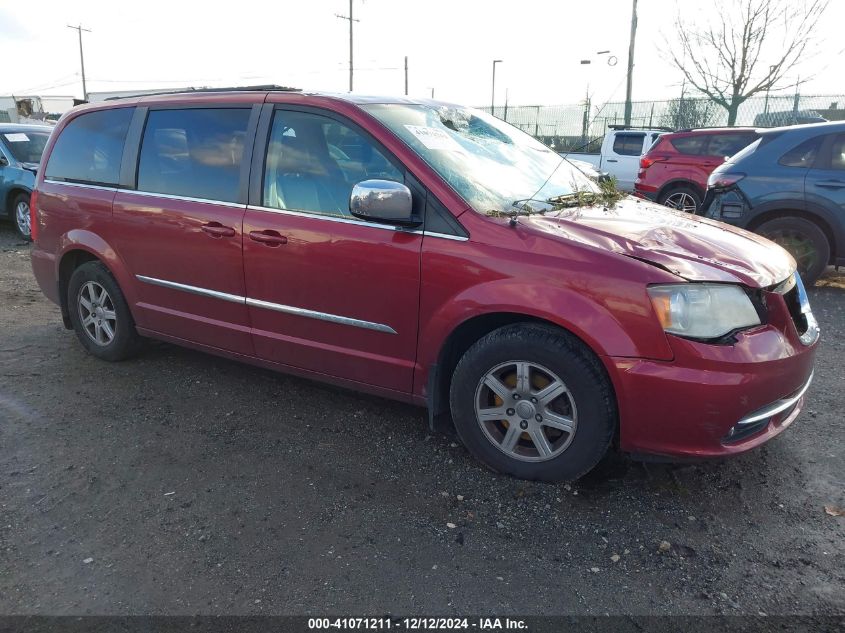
<point>747,48</point>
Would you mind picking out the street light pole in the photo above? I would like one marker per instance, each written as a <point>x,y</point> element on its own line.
<point>631,63</point>
<point>79,30</point>
<point>493,95</point>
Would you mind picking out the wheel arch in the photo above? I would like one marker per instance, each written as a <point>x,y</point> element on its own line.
<point>15,191</point>
<point>80,247</point>
<point>465,335</point>
<point>678,183</point>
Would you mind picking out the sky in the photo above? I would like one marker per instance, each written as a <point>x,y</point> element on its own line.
<point>450,46</point>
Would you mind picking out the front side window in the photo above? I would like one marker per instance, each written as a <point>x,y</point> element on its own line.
<point>26,146</point>
<point>314,161</point>
<point>90,147</point>
<point>803,155</point>
<point>196,153</point>
<point>628,144</point>
<point>493,165</point>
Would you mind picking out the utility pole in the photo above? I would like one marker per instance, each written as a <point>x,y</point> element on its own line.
<point>79,30</point>
<point>351,20</point>
<point>493,97</point>
<point>406,75</point>
<point>631,63</point>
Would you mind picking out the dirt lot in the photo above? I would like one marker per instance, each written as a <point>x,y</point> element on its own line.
<point>180,483</point>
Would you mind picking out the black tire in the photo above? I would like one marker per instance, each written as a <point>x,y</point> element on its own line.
<point>679,197</point>
<point>25,231</point>
<point>804,240</point>
<point>124,341</point>
<point>575,365</point>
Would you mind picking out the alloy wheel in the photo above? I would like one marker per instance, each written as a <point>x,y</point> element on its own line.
<point>97,313</point>
<point>22,218</point>
<point>681,201</point>
<point>526,411</point>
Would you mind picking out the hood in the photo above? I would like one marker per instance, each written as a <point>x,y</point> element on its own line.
<point>689,246</point>
<point>33,167</point>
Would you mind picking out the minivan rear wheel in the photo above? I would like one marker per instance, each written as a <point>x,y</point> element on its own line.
<point>99,313</point>
<point>804,240</point>
<point>532,401</point>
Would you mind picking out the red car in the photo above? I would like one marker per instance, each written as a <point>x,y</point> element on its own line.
<point>674,171</point>
<point>425,252</point>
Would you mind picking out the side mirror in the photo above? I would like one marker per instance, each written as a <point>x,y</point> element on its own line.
<point>4,162</point>
<point>382,201</point>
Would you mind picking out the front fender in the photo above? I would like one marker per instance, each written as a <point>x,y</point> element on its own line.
<point>607,331</point>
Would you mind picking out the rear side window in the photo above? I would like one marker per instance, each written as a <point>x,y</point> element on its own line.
<point>196,153</point>
<point>803,155</point>
<point>628,144</point>
<point>90,147</point>
<point>728,144</point>
<point>690,145</point>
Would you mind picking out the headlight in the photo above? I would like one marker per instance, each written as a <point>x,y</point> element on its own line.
<point>703,311</point>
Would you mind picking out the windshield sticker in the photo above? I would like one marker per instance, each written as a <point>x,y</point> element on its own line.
<point>434,138</point>
<point>17,137</point>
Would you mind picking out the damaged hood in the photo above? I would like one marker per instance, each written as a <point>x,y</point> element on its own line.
<point>689,246</point>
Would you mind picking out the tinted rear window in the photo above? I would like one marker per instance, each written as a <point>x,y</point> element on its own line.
<point>628,144</point>
<point>196,153</point>
<point>90,147</point>
<point>691,145</point>
<point>728,144</point>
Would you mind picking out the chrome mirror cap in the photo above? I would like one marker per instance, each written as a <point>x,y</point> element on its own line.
<point>382,201</point>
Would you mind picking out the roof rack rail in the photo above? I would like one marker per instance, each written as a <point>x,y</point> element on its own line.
<point>262,88</point>
<point>619,126</point>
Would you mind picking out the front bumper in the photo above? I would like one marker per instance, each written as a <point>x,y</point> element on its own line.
<point>715,400</point>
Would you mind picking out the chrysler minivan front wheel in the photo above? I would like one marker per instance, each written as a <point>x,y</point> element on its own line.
<point>99,313</point>
<point>532,401</point>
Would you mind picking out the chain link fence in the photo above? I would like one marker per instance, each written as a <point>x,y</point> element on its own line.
<point>581,127</point>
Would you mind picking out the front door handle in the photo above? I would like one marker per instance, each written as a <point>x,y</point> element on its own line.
<point>268,237</point>
<point>612,160</point>
<point>831,184</point>
<point>215,229</point>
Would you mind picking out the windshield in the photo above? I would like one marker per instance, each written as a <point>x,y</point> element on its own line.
<point>490,163</point>
<point>26,147</point>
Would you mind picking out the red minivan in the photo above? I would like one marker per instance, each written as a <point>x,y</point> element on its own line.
<point>425,252</point>
<point>675,169</point>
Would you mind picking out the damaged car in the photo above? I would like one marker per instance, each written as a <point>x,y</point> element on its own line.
<point>425,252</point>
<point>20,153</point>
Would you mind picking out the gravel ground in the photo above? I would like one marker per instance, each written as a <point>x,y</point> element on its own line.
<point>181,483</point>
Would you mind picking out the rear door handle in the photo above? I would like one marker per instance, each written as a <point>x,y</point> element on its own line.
<point>215,229</point>
<point>268,237</point>
<point>831,184</point>
<point>612,160</point>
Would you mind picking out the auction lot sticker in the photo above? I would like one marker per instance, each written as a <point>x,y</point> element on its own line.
<point>434,138</point>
